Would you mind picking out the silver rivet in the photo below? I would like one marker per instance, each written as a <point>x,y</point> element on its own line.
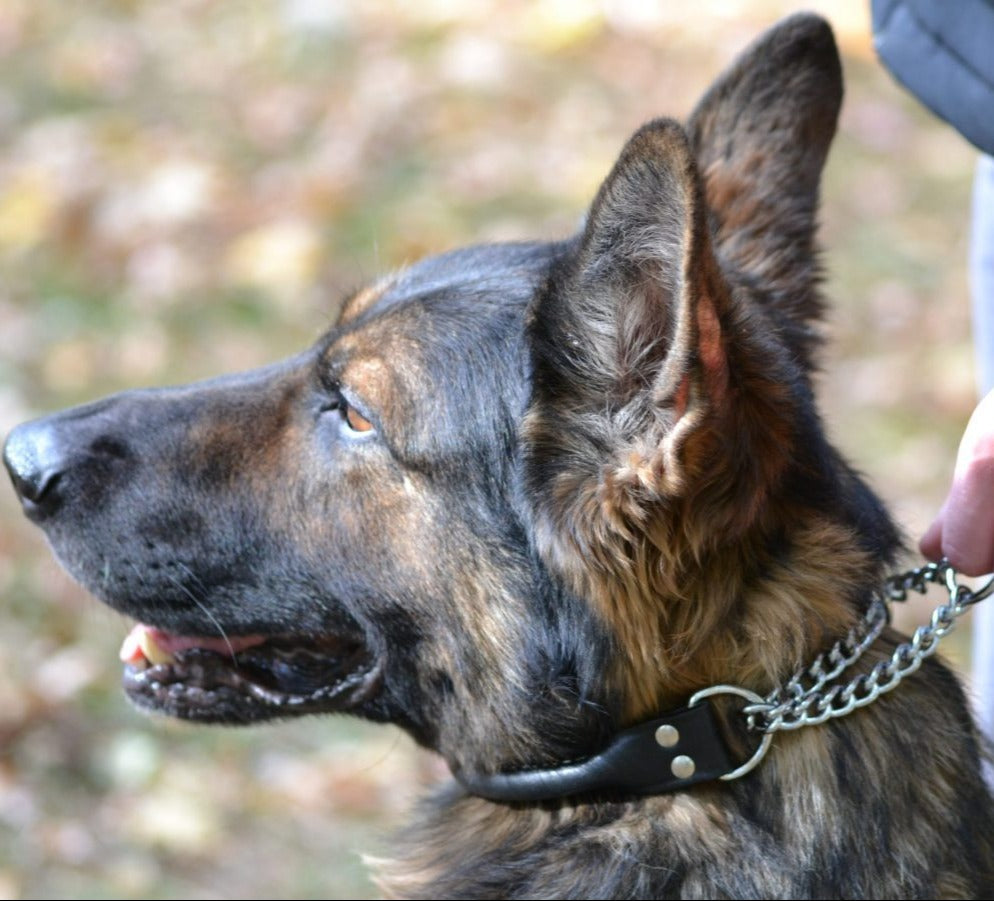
<point>683,766</point>
<point>667,736</point>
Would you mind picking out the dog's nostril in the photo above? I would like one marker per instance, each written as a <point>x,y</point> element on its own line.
<point>38,486</point>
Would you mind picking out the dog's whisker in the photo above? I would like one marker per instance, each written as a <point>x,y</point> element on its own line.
<point>192,575</point>
<point>138,572</point>
<point>205,609</point>
<point>193,598</point>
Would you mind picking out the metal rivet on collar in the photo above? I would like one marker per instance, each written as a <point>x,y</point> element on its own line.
<point>667,735</point>
<point>683,766</point>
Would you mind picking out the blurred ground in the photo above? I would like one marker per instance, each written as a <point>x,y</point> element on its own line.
<point>189,187</point>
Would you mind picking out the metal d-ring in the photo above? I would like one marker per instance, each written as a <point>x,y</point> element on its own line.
<point>753,698</point>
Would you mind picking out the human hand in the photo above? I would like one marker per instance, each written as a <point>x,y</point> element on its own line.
<point>963,531</point>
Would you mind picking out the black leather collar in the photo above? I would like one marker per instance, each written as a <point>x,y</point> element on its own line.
<point>670,753</point>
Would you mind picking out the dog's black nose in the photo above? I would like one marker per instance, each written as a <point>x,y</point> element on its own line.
<point>36,464</point>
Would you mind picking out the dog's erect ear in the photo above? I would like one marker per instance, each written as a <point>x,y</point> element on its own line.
<point>646,279</point>
<point>761,135</point>
<point>629,347</point>
<point>643,281</point>
<point>655,381</point>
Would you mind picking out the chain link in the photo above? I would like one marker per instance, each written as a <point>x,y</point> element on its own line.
<point>804,700</point>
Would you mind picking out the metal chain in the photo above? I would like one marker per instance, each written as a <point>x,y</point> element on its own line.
<point>805,701</point>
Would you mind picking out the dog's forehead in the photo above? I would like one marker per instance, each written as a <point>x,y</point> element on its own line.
<point>477,276</point>
<point>456,306</point>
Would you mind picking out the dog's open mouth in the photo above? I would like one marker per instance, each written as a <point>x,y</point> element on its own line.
<point>243,679</point>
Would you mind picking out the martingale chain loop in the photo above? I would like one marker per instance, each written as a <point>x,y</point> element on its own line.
<point>812,696</point>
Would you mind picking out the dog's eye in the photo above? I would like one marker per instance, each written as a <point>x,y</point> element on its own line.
<point>354,420</point>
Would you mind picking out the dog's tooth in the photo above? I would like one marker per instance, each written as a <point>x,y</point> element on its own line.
<point>153,652</point>
<point>131,651</point>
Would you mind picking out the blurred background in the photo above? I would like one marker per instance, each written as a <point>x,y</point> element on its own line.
<point>190,187</point>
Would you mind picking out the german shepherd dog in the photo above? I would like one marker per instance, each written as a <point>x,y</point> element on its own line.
<point>524,499</point>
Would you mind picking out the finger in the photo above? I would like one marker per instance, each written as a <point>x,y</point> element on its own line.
<point>967,531</point>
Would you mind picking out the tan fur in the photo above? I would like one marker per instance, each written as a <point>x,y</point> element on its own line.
<point>365,298</point>
<point>685,622</point>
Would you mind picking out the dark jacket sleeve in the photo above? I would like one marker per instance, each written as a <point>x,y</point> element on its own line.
<point>943,52</point>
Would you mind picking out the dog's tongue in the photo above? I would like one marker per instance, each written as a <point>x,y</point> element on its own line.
<point>155,646</point>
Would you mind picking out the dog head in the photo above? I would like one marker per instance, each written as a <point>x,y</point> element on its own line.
<point>518,496</point>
